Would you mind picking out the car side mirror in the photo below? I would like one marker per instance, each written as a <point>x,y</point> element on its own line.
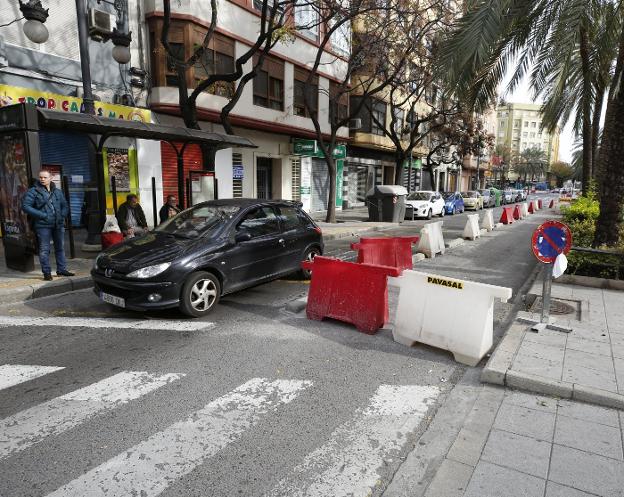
<point>242,236</point>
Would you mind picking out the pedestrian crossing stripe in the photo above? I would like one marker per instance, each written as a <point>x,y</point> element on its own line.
<point>60,414</point>
<point>148,468</point>
<point>347,464</point>
<point>14,374</point>
<point>107,323</point>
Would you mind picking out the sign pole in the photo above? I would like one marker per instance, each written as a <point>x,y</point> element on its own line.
<point>546,290</point>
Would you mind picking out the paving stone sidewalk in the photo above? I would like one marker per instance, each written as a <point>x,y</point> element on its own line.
<point>586,364</point>
<point>516,444</point>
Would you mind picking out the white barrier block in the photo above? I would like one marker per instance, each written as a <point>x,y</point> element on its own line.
<point>488,220</point>
<point>535,206</point>
<point>431,240</point>
<point>471,230</point>
<point>423,315</point>
<point>525,209</point>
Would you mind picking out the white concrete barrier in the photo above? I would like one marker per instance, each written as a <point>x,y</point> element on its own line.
<point>525,209</point>
<point>431,240</point>
<point>471,230</point>
<point>535,206</point>
<point>488,220</point>
<point>422,313</point>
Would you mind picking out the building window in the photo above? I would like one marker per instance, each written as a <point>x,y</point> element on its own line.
<point>378,117</point>
<point>302,89</point>
<point>307,20</point>
<point>502,124</point>
<point>526,124</point>
<point>268,85</point>
<point>371,111</point>
<point>218,58</point>
<point>516,123</point>
<point>399,114</point>
<point>532,135</point>
<point>338,103</point>
<point>258,6</point>
<point>176,52</point>
<point>533,124</point>
<point>525,134</point>
<point>341,38</point>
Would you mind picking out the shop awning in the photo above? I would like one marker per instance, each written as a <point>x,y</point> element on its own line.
<point>86,123</point>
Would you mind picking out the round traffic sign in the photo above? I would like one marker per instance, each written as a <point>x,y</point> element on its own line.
<point>551,239</point>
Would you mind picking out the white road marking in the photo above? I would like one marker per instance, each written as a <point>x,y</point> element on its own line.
<point>347,464</point>
<point>58,415</point>
<point>133,324</point>
<point>14,374</point>
<point>148,468</point>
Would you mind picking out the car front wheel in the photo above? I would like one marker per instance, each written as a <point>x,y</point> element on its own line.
<point>442,212</point>
<point>200,294</point>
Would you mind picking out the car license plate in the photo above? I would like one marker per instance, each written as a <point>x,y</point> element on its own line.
<point>112,299</point>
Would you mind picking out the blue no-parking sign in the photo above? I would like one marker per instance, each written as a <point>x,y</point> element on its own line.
<point>551,239</point>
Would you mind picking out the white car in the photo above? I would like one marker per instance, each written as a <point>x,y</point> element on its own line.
<point>424,204</point>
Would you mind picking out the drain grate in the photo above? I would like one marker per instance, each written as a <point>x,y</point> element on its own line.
<point>559,307</point>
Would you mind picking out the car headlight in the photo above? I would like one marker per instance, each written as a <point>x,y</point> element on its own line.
<point>149,271</point>
<point>96,262</point>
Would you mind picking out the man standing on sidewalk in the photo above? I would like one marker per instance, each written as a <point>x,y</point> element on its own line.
<point>47,208</point>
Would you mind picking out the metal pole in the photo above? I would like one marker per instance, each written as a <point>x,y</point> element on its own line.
<point>70,230</point>
<point>478,162</point>
<point>181,182</point>
<point>546,287</point>
<point>154,201</point>
<point>114,193</point>
<point>85,65</point>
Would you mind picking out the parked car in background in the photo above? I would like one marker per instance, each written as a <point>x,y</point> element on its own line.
<point>508,196</point>
<point>517,195</point>
<point>424,203</point>
<point>523,194</point>
<point>489,198</point>
<point>453,202</point>
<point>207,251</point>
<point>472,200</point>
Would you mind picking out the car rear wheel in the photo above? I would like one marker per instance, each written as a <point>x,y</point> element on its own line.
<point>309,256</point>
<point>429,214</point>
<point>200,294</point>
<point>454,211</point>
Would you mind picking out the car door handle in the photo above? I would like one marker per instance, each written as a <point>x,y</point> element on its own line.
<point>281,242</point>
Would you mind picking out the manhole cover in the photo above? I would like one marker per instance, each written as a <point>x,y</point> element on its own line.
<point>557,306</point>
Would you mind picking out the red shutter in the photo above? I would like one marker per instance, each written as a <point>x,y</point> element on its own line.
<point>192,162</point>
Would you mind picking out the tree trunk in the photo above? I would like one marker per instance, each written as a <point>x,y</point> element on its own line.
<point>611,173</point>
<point>399,160</point>
<point>587,107</point>
<point>600,93</point>
<point>331,201</point>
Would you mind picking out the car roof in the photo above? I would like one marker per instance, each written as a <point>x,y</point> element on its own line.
<point>248,202</point>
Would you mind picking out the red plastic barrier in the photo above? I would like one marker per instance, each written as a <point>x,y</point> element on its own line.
<point>347,291</point>
<point>110,239</point>
<point>517,213</point>
<point>507,217</point>
<point>552,203</point>
<point>539,203</point>
<point>531,210</point>
<point>390,251</point>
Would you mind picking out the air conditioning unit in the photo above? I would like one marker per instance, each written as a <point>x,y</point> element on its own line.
<point>355,124</point>
<point>101,24</point>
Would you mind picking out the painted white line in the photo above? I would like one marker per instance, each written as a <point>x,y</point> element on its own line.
<point>134,324</point>
<point>14,374</point>
<point>150,467</point>
<point>347,464</point>
<point>58,415</point>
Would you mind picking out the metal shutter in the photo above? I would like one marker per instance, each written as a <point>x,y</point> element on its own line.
<point>320,185</point>
<point>192,162</point>
<point>237,183</point>
<point>74,152</point>
<point>296,179</point>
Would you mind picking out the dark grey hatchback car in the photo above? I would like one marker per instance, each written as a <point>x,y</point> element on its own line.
<point>207,251</point>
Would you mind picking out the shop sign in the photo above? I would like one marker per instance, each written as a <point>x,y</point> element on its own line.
<point>10,95</point>
<point>305,190</point>
<point>339,181</point>
<point>304,147</point>
<point>414,163</point>
<point>238,171</point>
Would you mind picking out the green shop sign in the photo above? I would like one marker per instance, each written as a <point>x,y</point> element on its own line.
<point>309,148</point>
<point>414,164</point>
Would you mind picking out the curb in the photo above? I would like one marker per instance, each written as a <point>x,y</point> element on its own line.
<point>31,292</point>
<point>498,372</point>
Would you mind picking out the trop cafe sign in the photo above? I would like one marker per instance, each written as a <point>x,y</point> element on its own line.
<point>10,95</point>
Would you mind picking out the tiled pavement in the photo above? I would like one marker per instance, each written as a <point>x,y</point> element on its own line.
<point>516,444</point>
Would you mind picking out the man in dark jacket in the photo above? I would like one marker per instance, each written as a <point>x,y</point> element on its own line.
<point>131,217</point>
<point>168,210</point>
<point>47,207</point>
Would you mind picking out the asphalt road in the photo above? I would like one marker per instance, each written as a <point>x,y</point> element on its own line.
<point>252,400</point>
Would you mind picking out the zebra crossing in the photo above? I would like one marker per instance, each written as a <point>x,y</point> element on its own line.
<point>344,465</point>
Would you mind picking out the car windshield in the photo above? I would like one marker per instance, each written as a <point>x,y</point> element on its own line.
<point>419,196</point>
<point>197,220</point>
<point>449,195</point>
<point>469,194</point>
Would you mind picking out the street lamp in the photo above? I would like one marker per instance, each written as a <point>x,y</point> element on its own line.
<point>35,16</point>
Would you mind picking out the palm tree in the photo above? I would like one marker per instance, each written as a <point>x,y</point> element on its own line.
<point>531,161</point>
<point>493,35</point>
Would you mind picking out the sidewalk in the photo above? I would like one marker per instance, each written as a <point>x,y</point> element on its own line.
<point>586,364</point>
